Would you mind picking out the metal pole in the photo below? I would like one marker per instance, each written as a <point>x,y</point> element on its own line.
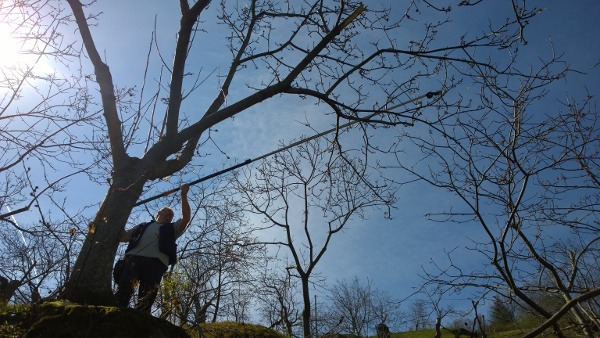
<point>428,95</point>
<point>316,326</point>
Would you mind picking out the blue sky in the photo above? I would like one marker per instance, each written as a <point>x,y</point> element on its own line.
<point>391,253</point>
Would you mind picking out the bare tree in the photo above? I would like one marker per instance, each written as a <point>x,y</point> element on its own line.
<point>352,301</point>
<point>438,308</point>
<point>362,307</point>
<point>309,194</point>
<point>386,310</point>
<point>529,181</point>
<point>278,302</point>
<point>418,313</point>
<point>38,256</point>
<point>41,109</point>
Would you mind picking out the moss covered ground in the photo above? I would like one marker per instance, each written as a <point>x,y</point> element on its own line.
<point>64,319</point>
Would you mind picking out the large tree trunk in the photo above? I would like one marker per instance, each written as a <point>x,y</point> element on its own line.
<point>90,281</point>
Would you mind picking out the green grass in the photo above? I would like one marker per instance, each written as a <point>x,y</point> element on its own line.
<point>427,333</point>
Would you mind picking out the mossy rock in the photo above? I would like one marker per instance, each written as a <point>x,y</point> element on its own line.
<point>238,330</point>
<point>63,319</point>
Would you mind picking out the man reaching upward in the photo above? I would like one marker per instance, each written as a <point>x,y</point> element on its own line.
<point>150,250</point>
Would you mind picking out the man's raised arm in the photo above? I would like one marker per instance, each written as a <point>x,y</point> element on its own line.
<point>186,212</point>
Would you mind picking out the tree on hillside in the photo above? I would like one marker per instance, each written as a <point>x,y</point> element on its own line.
<point>502,314</point>
<point>333,53</point>
<point>418,314</point>
<point>352,302</point>
<point>277,295</point>
<point>529,181</point>
<point>439,309</point>
<point>361,306</point>
<point>386,310</point>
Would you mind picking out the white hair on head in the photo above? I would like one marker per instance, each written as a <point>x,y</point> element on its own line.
<point>163,208</point>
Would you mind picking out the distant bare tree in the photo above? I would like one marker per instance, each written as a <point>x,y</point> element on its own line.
<point>309,194</point>
<point>353,302</point>
<point>438,308</point>
<point>362,307</point>
<point>386,310</point>
<point>418,314</point>
<point>278,304</point>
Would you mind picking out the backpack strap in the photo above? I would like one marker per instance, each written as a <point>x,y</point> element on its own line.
<point>166,239</point>
<point>136,235</point>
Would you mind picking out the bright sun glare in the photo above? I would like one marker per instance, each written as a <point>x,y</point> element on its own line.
<point>14,54</point>
<point>9,49</point>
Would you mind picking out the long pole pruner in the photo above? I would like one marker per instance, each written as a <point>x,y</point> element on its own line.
<point>202,179</point>
<point>428,95</point>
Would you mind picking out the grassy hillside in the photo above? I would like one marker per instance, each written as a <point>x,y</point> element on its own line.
<point>429,333</point>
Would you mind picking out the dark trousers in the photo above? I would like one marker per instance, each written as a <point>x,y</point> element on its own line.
<point>145,270</point>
